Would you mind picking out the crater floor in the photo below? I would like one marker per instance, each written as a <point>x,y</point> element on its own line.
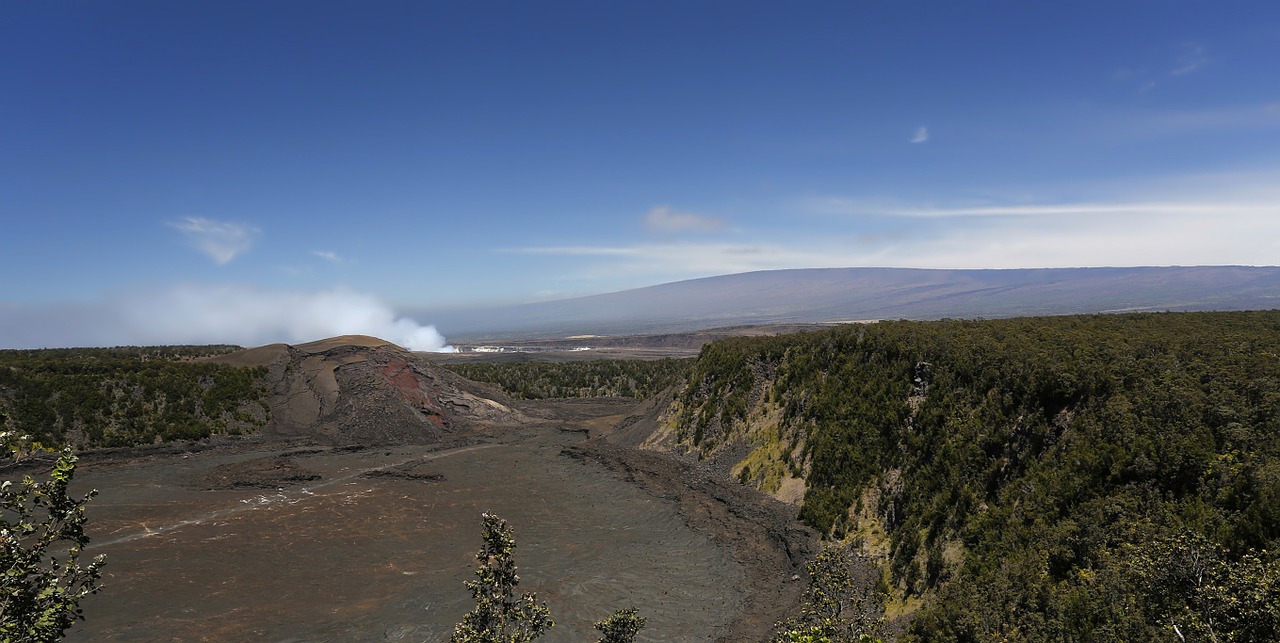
<point>280,542</point>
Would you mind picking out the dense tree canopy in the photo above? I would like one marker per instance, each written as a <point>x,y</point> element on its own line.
<point>95,397</point>
<point>1027,477</point>
<point>594,378</point>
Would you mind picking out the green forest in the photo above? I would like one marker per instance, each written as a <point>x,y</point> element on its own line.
<point>595,378</point>
<point>125,396</point>
<point>1088,478</point>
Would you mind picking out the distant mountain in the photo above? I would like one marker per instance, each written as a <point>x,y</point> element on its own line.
<point>846,294</point>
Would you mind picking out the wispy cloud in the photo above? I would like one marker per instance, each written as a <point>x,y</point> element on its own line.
<point>583,251</point>
<point>921,135</point>
<point>1190,59</point>
<point>670,261</point>
<point>1210,220</point>
<point>664,220</point>
<point>839,206</point>
<point>330,256</point>
<point>220,240</point>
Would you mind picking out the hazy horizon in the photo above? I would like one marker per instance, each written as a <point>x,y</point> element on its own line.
<point>202,172</point>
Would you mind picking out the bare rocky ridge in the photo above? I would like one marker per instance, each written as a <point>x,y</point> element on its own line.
<point>363,390</point>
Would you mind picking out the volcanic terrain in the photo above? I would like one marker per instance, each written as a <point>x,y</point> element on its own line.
<point>354,515</point>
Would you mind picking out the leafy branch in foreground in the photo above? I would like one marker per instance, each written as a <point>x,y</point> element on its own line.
<point>43,580</point>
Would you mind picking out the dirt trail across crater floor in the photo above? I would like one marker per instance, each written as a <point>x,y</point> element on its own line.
<point>267,541</point>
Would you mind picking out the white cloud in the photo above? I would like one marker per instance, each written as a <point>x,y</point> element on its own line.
<point>1191,59</point>
<point>329,255</point>
<point>1207,235</point>
<point>837,206</point>
<point>1209,220</point>
<point>921,135</point>
<point>227,314</point>
<point>663,219</point>
<point>671,261</point>
<point>220,240</point>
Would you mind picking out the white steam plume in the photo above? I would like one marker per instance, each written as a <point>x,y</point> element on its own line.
<point>241,315</point>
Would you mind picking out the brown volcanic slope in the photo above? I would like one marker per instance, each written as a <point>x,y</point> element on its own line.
<point>357,389</point>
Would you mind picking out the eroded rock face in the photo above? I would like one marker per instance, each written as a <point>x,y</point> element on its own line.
<point>364,390</point>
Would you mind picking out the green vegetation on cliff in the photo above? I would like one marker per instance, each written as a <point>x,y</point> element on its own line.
<point>595,378</point>
<point>109,397</point>
<point>1112,477</point>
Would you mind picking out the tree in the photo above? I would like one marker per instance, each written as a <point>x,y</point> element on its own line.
<point>1196,590</point>
<point>499,616</point>
<point>831,613</point>
<point>41,538</point>
<point>622,627</point>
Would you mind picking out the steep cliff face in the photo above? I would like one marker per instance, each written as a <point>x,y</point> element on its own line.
<point>727,416</point>
<point>363,390</point>
<point>1009,475</point>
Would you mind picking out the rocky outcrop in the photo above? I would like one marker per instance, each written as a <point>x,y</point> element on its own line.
<point>363,390</point>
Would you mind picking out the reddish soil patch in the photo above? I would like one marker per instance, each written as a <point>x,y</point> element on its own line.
<point>407,381</point>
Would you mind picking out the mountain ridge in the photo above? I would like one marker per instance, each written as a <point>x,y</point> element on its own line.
<point>809,295</point>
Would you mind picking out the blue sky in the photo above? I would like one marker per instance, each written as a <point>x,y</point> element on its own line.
<point>203,157</point>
